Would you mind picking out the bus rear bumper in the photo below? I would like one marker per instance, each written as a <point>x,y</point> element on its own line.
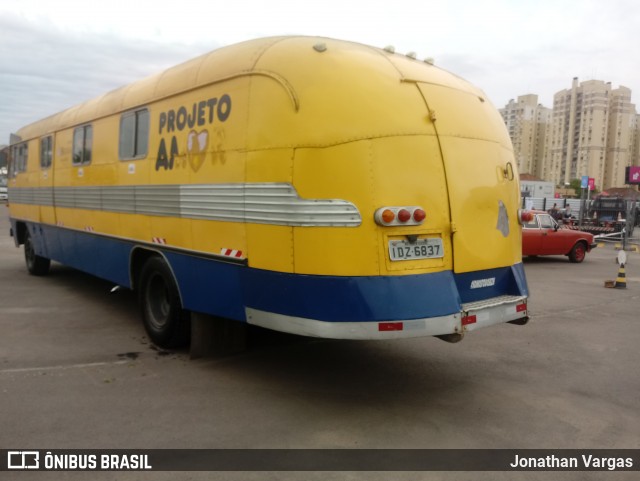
<point>473,316</point>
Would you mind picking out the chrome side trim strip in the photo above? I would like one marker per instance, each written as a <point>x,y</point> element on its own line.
<point>260,203</point>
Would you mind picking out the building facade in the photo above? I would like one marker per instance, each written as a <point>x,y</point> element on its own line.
<point>621,137</point>
<point>592,130</point>
<point>527,122</point>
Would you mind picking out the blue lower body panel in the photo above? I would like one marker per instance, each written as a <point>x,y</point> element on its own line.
<point>379,298</point>
<point>352,299</point>
<point>480,285</point>
<point>104,257</point>
<point>224,289</point>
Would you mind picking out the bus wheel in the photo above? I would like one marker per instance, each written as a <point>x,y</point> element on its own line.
<point>36,265</point>
<point>166,323</point>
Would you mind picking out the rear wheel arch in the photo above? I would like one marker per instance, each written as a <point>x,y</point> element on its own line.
<point>137,259</point>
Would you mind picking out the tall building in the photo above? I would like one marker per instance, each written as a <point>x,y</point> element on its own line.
<point>635,149</point>
<point>621,138</point>
<point>593,133</point>
<point>527,123</point>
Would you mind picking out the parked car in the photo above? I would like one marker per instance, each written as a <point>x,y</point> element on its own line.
<point>543,236</point>
<point>3,193</point>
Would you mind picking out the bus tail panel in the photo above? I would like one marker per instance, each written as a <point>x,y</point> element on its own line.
<point>352,299</point>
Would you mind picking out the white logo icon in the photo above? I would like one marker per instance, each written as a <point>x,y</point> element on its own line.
<point>23,460</point>
<point>480,283</point>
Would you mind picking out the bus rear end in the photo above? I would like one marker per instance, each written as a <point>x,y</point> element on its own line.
<point>426,162</point>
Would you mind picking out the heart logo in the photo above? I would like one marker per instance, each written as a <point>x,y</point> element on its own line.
<point>197,143</point>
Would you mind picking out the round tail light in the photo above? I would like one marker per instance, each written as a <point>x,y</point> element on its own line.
<point>419,215</point>
<point>525,216</point>
<point>404,215</point>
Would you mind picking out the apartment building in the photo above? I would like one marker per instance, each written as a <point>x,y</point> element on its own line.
<point>592,129</point>
<point>527,122</point>
<point>579,132</point>
<point>621,137</point>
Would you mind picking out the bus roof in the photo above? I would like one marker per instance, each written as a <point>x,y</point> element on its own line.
<point>227,63</point>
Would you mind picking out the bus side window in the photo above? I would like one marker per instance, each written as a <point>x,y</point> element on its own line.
<point>82,142</point>
<point>46,151</point>
<point>134,135</point>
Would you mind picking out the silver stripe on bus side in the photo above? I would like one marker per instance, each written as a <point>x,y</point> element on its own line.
<point>260,203</point>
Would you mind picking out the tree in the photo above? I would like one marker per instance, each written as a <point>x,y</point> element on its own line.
<point>576,184</point>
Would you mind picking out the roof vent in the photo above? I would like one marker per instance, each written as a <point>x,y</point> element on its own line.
<point>320,47</point>
<point>390,49</point>
<point>412,55</point>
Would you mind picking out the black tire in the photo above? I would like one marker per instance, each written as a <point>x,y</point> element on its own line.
<point>166,322</point>
<point>36,265</point>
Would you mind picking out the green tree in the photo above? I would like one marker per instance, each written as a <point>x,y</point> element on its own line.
<point>576,184</point>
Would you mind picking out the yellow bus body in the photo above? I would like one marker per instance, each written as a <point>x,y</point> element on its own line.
<point>272,157</point>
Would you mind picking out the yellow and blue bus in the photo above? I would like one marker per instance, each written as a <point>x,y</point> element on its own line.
<point>301,184</point>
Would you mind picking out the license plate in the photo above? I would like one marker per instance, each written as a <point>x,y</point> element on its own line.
<point>403,250</point>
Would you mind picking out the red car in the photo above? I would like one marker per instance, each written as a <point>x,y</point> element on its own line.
<point>543,236</point>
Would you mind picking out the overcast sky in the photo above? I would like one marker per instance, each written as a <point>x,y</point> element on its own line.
<point>56,54</point>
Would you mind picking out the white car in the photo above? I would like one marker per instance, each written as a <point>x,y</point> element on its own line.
<point>3,193</point>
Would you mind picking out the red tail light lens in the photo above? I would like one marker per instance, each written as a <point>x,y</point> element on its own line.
<point>399,216</point>
<point>404,215</point>
<point>525,216</point>
<point>419,215</point>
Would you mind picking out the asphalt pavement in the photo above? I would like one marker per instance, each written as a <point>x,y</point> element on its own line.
<point>77,371</point>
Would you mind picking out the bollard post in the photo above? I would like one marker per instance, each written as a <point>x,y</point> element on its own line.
<point>621,280</point>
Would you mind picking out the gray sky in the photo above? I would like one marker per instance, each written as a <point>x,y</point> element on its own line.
<point>56,54</point>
